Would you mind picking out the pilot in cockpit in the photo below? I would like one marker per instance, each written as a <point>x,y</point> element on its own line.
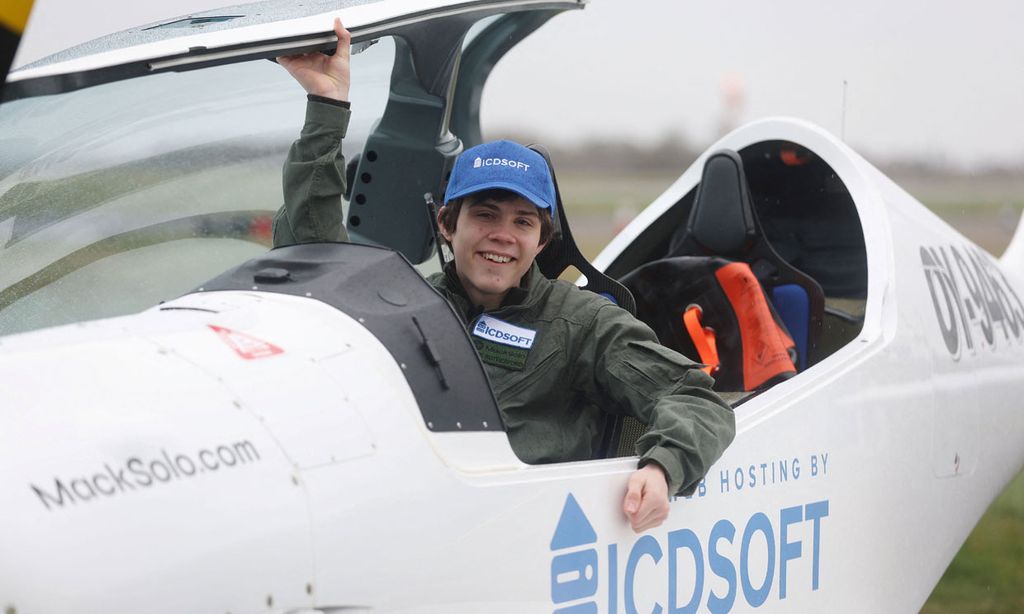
<point>572,349</point>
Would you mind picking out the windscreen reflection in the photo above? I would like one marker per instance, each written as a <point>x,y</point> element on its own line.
<point>116,197</point>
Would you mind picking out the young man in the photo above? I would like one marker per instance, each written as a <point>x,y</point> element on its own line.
<point>558,358</point>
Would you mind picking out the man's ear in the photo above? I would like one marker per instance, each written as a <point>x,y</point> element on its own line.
<point>441,227</point>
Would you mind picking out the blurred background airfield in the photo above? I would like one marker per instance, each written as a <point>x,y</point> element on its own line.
<point>627,94</point>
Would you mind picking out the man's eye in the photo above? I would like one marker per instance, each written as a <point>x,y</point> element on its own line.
<point>525,221</point>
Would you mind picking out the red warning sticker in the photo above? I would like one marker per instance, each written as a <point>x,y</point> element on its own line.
<point>246,346</point>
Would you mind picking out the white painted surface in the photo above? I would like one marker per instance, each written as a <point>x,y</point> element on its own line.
<point>362,21</point>
<point>388,516</point>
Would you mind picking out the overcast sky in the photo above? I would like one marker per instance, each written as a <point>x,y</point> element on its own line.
<point>941,79</point>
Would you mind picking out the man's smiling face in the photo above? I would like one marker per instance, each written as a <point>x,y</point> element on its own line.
<point>495,242</point>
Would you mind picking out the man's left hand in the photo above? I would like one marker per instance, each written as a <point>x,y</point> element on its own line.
<point>646,502</point>
<point>323,75</point>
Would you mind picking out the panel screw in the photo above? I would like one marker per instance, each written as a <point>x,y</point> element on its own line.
<point>270,601</point>
<point>309,588</point>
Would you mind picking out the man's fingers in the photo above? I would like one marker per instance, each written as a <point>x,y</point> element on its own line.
<point>642,515</point>
<point>632,503</point>
<point>344,39</point>
<point>651,514</point>
<point>646,503</point>
<point>649,521</point>
<point>296,58</point>
<point>634,498</point>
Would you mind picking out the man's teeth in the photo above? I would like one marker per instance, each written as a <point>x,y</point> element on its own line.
<point>497,258</point>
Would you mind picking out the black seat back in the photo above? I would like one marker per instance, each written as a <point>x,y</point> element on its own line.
<point>562,252</point>
<point>723,223</point>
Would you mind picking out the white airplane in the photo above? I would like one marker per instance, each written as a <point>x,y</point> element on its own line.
<point>312,430</point>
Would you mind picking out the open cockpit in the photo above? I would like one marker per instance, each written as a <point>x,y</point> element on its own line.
<point>781,212</point>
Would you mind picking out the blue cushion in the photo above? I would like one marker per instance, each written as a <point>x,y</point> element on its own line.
<point>794,307</point>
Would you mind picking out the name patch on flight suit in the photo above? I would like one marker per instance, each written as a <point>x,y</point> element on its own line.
<point>502,344</point>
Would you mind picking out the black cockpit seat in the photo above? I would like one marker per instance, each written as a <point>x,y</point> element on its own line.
<point>619,431</point>
<point>562,252</point>
<point>724,224</point>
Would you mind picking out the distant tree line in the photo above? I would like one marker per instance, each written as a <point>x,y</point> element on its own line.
<point>670,155</point>
<point>674,153</point>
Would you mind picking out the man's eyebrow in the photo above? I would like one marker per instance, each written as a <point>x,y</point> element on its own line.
<point>528,210</point>
<point>492,204</point>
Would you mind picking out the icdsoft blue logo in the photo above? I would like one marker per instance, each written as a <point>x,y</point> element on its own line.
<point>502,332</point>
<point>574,566</point>
<point>576,563</point>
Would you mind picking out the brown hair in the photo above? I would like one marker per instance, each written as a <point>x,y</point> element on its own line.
<point>449,215</point>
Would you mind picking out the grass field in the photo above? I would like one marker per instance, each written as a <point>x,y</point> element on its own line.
<point>987,575</point>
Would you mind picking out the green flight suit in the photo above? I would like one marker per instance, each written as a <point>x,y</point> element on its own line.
<point>588,356</point>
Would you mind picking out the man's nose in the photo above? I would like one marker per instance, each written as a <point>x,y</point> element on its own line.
<point>503,233</point>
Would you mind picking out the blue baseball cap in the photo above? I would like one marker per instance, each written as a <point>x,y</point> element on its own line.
<point>505,165</point>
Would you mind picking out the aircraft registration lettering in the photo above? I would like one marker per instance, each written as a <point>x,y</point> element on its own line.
<point>576,563</point>
<point>972,298</point>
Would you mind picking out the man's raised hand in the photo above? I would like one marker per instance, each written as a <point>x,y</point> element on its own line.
<point>320,74</point>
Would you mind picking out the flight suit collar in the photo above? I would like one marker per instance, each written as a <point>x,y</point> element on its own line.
<point>520,296</point>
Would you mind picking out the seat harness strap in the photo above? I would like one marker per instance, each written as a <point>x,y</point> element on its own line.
<point>703,339</point>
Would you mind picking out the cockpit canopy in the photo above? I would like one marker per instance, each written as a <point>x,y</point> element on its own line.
<point>137,166</point>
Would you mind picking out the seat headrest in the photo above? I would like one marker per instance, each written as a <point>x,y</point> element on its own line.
<point>722,219</point>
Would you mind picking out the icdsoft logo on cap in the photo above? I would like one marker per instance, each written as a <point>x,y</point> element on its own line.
<point>515,164</point>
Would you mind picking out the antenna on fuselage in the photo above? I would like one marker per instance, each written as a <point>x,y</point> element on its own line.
<point>842,121</point>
